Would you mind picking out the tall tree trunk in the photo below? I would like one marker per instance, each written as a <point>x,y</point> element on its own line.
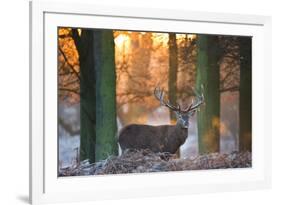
<point>106,126</point>
<point>84,45</point>
<point>173,71</point>
<point>208,75</point>
<point>173,68</point>
<point>245,104</point>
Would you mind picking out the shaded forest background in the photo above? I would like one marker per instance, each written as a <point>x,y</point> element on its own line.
<point>106,80</point>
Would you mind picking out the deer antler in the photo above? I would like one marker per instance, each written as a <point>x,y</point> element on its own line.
<point>159,94</point>
<point>193,106</point>
<point>199,101</point>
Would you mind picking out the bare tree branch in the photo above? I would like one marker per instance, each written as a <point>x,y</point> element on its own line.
<point>70,90</point>
<point>65,36</point>
<point>230,89</point>
<point>71,66</point>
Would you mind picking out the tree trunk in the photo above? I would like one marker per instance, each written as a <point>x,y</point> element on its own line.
<point>173,71</point>
<point>245,104</point>
<point>173,68</point>
<point>208,75</point>
<point>106,126</point>
<point>84,45</point>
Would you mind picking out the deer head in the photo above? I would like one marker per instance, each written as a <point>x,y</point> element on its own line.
<point>182,115</point>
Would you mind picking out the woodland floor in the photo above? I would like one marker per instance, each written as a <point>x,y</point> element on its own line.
<point>140,161</point>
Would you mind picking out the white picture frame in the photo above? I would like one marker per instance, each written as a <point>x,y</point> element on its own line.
<point>46,187</point>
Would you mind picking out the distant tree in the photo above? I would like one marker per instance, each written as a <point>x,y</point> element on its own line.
<point>186,47</point>
<point>245,104</point>
<point>84,45</point>
<point>208,75</point>
<point>135,70</point>
<point>173,71</point>
<point>106,127</point>
<point>229,86</point>
<point>230,66</point>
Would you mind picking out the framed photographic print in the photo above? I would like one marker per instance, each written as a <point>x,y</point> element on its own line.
<point>129,102</point>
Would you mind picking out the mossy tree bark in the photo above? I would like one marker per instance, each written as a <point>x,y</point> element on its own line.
<point>106,126</point>
<point>173,70</point>
<point>84,45</point>
<point>245,102</point>
<point>208,75</point>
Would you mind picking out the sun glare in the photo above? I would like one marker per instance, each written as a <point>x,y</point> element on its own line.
<point>79,31</point>
<point>191,36</point>
<point>121,39</point>
<point>160,38</point>
<point>183,36</point>
<point>122,42</point>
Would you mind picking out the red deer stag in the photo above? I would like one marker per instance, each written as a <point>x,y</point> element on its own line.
<point>163,138</point>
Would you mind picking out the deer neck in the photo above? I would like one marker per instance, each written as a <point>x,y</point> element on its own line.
<point>181,132</point>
